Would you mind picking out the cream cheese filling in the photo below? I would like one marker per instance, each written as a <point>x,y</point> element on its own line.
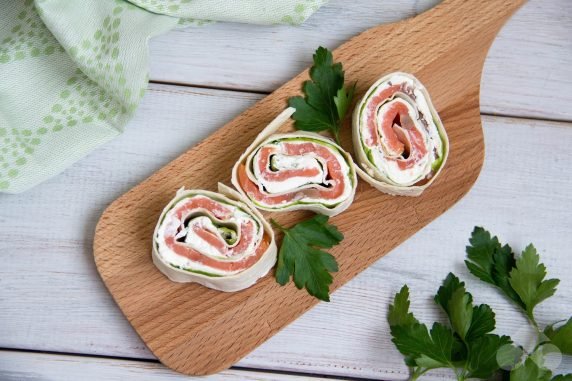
<point>203,219</point>
<point>308,160</point>
<point>382,162</point>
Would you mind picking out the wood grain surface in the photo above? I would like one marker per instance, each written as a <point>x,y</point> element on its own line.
<point>199,331</point>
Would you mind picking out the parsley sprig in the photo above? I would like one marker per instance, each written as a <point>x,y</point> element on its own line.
<point>302,258</point>
<point>468,346</point>
<point>326,100</point>
<point>521,280</point>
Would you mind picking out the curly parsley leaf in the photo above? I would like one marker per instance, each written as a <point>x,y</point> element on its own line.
<point>301,257</point>
<point>527,280</point>
<point>561,336</point>
<point>491,262</point>
<point>326,100</point>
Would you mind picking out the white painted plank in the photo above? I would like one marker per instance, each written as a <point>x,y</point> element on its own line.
<point>528,71</point>
<point>52,298</point>
<point>18,366</point>
<point>57,261</point>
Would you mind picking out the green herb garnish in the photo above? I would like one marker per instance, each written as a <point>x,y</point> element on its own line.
<point>301,257</point>
<point>561,336</point>
<point>469,347</point>
<point>326,100</point>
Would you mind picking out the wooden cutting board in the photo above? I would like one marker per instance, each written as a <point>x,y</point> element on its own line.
<point>195,330</point>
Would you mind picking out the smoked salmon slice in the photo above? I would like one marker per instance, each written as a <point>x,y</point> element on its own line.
<point>295,170</point>
<point>213,239</point>
<point>399,140</point>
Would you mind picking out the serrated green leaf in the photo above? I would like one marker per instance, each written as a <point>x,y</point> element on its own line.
<point>491,262</point>
<point>527,280</point>
<point>307,117</point>
<point>437,348</point>
<point>343,100</point>
<point>316,277</point>
<point>446,344</point>
<point>450,284</point>
<point>457,303</point>
<point>483,322</point>
<point>411,339</point>
<point>504,262</point>
<point>300,255</point>
<point>421,347</point>
<point>482,355</point>
<point>561,336</point>
<point>325,100</point>
<point>399,311</point>
<point>530,371</point>
<point>562,377</point>
<point>480,254</point>
<point>317,231</point>
<point>282,272</point>
<point>461,311</point>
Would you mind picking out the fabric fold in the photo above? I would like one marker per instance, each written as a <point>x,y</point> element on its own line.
<point>73,72</point>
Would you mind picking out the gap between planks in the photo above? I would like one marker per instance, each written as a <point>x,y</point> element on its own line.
<point>264,93</point>
<point>49,355</point>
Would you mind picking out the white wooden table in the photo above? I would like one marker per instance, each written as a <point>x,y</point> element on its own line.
<point>57,321</point>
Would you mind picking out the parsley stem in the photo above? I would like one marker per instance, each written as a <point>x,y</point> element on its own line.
<point>336,132</point>
<point>277,225</point>
<point>532,321</point>
<point>461,376</point>
<point>418,372</point>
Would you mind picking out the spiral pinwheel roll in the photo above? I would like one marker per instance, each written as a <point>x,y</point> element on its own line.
<point>399,141</point>
<point>213,239</point>
<point>296,170</point>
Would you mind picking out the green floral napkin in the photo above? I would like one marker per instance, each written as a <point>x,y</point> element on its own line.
<point>72,72</point>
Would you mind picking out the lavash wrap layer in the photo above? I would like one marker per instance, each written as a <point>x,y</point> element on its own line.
<point>399,141</point>
<point>295,171</point>
<point>213,239</point>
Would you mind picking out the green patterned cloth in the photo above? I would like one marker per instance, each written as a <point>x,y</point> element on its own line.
<point>72,72</point>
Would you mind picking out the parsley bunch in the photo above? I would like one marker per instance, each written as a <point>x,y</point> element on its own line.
<point>326,100</point>
<point>468,346</point>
